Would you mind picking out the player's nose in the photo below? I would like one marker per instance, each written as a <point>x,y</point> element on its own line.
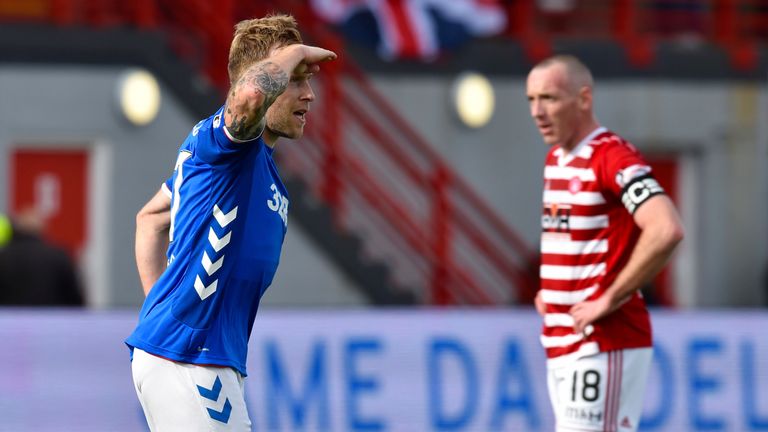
<point>307,93</point>
<point>537,111</point>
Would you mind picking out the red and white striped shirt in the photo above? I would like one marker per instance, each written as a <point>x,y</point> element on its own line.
<point>588,234</point>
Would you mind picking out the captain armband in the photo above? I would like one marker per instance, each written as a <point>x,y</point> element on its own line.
<point>638,191</point>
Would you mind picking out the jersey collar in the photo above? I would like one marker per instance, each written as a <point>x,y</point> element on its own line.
<point>564,158</point>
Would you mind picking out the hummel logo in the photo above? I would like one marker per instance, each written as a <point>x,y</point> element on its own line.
<point>213,395</point>
<point>216,242</point>
<point>224,218</point>
<point>205,291</point>
<point>210,266</point>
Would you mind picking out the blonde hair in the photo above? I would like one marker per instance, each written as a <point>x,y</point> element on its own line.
<point>578,74</point>
<point>254,39</point>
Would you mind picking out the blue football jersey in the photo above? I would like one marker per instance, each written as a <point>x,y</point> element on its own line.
<point>229,215</point>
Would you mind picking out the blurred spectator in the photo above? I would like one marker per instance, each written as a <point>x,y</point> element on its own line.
<point>683,20</point>
<point>34,272</point>
<point>557,14</point>
<point>557,6</point>
<point>5,229</point>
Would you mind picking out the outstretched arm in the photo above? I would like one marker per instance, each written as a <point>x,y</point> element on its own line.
<point>152,224</point>
<point>661,232</point>
<point>259,86</point>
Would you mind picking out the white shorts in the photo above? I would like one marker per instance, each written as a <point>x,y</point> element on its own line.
<point>187,397</point>
<point>602,392</point>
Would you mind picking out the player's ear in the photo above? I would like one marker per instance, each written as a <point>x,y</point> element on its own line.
<point>585,98</point>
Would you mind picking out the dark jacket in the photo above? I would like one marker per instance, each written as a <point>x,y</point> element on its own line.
<point>36,273</point>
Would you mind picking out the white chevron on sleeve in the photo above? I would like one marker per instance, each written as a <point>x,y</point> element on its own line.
<point>216,242</point>
<point>224,218</point>
<point>211,267</point>
<point>205,291</point>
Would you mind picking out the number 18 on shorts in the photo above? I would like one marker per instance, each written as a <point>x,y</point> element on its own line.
<point>603,392</point>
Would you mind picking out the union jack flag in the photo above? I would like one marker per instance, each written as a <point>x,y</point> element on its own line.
<point>413,29</point>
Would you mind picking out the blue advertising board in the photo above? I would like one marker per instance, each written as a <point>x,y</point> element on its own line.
<point>384,370</point>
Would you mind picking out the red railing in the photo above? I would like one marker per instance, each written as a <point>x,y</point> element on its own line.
<point>386,182</point>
